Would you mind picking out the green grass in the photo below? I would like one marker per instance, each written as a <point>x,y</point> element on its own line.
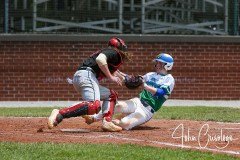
<point>58,151</point>
<point>50,151</point>
<point>25,112</point>
<point>221,114</point>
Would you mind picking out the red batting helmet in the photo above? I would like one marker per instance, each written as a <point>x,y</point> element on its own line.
<point>117,43</point>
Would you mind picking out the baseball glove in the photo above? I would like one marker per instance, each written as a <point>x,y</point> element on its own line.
<point>133,82</point>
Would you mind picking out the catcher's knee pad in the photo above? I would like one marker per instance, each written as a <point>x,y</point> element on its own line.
<point>113,95</point>
<point>80,109</point>
<point>94,107</point>
<point>109,105</point>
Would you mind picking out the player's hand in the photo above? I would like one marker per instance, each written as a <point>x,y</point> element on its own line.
<point>116,80</point>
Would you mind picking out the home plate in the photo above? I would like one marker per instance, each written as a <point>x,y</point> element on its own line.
<point>75,130</point>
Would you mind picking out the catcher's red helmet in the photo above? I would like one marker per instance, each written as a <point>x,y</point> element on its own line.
<point>117,43</point>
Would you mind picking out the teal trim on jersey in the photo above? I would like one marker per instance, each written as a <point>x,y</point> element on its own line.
<point>155,80</point>
<point>151,83</point>
<point>154,101</point>
<point>166,89</point>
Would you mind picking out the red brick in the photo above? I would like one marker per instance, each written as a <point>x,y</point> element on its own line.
<point>37,70</point>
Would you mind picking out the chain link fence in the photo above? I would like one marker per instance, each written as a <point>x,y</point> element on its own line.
<point>176,17</point>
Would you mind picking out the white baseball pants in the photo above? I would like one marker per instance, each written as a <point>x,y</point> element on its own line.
<point>136,113</point>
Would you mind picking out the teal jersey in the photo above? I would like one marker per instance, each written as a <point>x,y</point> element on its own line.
<point>166,82</point>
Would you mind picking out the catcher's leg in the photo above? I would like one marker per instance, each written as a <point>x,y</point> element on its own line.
<point>78,109</point>
<point>108,111</point>
<point>108,105</point>
<point>86,83</point>
<point>121,109</point>
<point>109,100</point>
<point>105,95</point>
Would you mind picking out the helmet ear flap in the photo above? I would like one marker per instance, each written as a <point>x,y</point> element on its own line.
<point>168,66</point>
<point>117,43</point>
<point>121,44</point>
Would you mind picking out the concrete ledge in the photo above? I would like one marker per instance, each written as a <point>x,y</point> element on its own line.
<point>12,104</point>
<point>127,38</point>
<point>234,104</point>
<point>169,103</point>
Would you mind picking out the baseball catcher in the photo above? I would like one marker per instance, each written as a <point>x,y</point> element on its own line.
<point>101,64</point>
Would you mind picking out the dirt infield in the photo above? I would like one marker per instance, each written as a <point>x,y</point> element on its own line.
<point>197,135</point>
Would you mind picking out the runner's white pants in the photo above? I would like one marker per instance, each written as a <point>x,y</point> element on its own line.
<point>136,113</point>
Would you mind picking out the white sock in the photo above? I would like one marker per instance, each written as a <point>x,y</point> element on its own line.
<point>98,117</point>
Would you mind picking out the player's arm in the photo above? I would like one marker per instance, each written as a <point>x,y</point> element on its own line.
<point>154,91</point>
<point>120,74</point>
<point>102,63</point>
<point>150,89</point>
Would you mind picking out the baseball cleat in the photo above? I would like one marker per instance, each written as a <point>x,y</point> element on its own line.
<point>110,126</point>
<point>116,122</point>
<point>88,119</point>
<point>52,119</point>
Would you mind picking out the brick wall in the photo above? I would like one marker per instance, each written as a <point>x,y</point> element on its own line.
<point>33,70</point>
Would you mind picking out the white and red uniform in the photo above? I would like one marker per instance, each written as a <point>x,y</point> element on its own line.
<point>86,81</point>
<point>101,64</point>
